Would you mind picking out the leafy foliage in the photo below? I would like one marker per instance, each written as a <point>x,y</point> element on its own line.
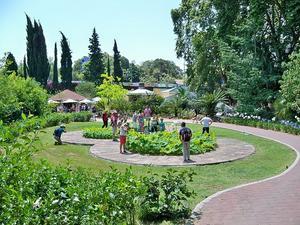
<point>87,89</point>
<point>140,102</point>
<point>118,72</point>
<point>19,95</point>
<point>112,95</point>
<point>168,143</point>
<point>98,133</point>
<point>290,84</point>
<point>10,65</point>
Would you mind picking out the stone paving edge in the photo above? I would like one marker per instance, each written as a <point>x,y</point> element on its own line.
<point>196,211</point>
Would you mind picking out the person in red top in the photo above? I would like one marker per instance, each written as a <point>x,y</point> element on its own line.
<point>105,119</point>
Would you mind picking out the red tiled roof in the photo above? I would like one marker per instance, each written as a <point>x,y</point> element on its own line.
<point>67,94</point>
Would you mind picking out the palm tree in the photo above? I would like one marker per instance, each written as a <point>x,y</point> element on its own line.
<point>209,101</point>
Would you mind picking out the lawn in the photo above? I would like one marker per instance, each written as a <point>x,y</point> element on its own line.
<point>270,158</point>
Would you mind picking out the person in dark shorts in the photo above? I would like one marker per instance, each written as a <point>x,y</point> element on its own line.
<point>57,134</point>
<point>206,122</point>
<point>185,136</point>
<point>105,119</point>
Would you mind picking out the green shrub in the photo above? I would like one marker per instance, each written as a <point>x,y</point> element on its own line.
<point>262,124</point>
<point>98,133</point>
<point>36,193</point>
<point>81,116</point>
<point>19,95</point>
<point>166,198</point>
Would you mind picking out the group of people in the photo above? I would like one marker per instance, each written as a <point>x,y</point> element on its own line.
<point>143,122</point>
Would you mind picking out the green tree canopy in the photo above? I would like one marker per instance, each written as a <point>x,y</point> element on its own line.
<point>112,95</point>
<point>55,70</point>
<point>10,65</point>
<point>290,84</point>
<point>118,72</point>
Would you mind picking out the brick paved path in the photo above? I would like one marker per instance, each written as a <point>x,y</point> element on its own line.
<point>228,150</point>
<point>274,201</point>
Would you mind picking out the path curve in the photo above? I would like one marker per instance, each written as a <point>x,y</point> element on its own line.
<point>272,201</point>
<point>228,150</point>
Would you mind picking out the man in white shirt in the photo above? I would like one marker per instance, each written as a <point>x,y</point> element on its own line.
<point>206,122</point>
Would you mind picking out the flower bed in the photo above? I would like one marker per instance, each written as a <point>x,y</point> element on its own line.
<point>253,121</point>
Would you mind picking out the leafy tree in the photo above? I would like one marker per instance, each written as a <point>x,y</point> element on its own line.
<point>10,65</point>
<point>87,89</point>
<point>80,68</point>
<point>290,83</point>
<point>118,72</point>
<point>95,65</point>
<point>112,95</point>
<point>261,32</point>
<point>19,95</point>
<point>133,73</point>
<point>55,70</point>
<point>66,63</point>
<point>37,61</point>
<point>160,70</point>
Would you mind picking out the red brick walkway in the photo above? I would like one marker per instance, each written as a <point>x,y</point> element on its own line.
<point>275,201</point>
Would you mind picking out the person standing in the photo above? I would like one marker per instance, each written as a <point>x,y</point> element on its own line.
<point>105,119</point>
<point>134,121</point>
<point>162,126</point>
<point>114,124</point>
<point>147,115</point>
<point>185,136</point>
<point>141,121</point>
<point>123,134</point>
<point>206,122</point>
<point>57,134</point>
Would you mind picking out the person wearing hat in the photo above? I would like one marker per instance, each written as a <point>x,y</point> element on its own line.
<point>123,134</point>
<point>57,134</point>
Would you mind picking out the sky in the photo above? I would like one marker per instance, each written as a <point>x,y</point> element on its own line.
<point>143,28</point>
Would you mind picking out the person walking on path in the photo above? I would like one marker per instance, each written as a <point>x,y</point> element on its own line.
<point>123,134</point>
<point>105,119</point>
<point>114,124</point>
<point>57,134</point>
<point>206,122</point>
<point>185,136</point>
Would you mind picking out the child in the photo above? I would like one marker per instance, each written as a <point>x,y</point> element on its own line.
<point>162,126</point>
<point>57,134</point>
<point>141,122</point>
<point>123,134</point>
<point>154,124</point>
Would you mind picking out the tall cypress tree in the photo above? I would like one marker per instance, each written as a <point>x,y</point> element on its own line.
<point>55,71</point>
<point>37,61</point>
<point>29,49</point>
<point>25,67</point>
<point>118,73</point>
<point>96,65</point>
<point>10,64</point>
<point>66,63</point>
<point>108,66</point>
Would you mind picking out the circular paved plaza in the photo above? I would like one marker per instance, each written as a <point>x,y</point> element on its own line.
<point>227,150</point>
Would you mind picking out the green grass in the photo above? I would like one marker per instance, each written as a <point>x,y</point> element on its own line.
<point>270,159</point>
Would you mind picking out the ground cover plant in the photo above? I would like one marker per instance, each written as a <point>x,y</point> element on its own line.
<point>41,194</point>
<point>168,143</point>
<point>158,143</point>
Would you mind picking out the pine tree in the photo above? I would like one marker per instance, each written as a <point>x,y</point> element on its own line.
<point>108,66</point>
<point>118,73</point>
<point>25,67</point>
<point>55,70</point>
<point>66,63</point>
<point>95,66</point>
<point>37,61</point>
<point>10,64</point>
